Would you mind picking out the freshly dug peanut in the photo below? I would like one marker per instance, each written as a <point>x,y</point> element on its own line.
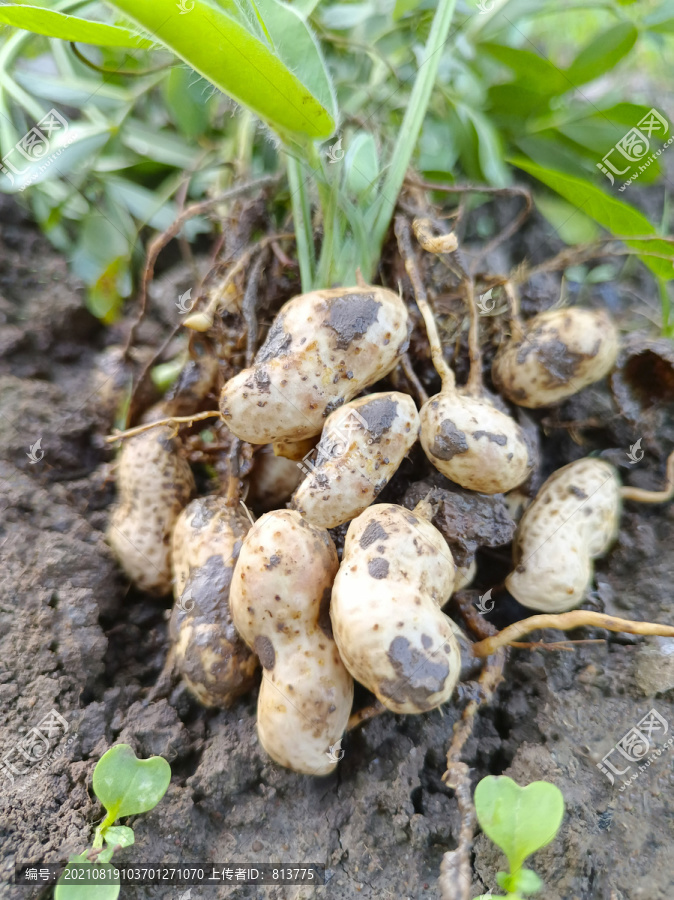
<point>361,447</point>
<point>554,355</point>
<point>396,573</point>
<point>272,480</point>
<point>322,350</point>
<point>154,483</point>
<point>473,443</point>
<point>573,519</point>
<point>279,598</point>
<point>463,433</point>
<point>214,662</point>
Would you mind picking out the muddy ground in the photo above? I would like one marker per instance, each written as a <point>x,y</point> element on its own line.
<point>74,638</point>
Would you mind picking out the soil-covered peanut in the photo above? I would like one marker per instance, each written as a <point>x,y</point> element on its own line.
<point>154,483</point>
<point>362,446</point>
<point>322,350</point>
<point>396,573</point>
<point>213,660</point>
<point>473,443</point>
<point>272,480</point>
<point>574,519</point>
<point>554,355</point>
<point>280,600</point>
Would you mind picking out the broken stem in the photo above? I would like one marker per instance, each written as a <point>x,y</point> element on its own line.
<point>364,715</point>
<point>474,383</point>
<point>578,618</point>
<point>402,231</point>
<point>643,496</point>
<point>172,420</point>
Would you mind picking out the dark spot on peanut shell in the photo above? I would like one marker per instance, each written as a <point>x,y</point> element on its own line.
<point>277,343</point>
<point>265,651</point>
<point>577,492</point>
<point>379,414</point>
<point>499,439</point>
<point>449,441</point>
<point>373,532</point>
<point>273,561</point>
<point>350,316</point>
<point>419,677</point>
<point>378,568</point>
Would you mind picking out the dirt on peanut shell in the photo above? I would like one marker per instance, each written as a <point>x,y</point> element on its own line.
<point>74,638</point>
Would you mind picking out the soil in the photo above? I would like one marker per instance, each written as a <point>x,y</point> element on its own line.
<point>76,639</point>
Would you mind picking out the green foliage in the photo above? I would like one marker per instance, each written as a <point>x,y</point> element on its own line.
<point>126,786</point>
<point>267,61</point>
<point>527,81</point>
<point>69,28</point>
<point>519,820</point>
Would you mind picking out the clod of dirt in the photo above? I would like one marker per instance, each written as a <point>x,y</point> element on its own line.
<point>466,520</point>
<point>654,666</point>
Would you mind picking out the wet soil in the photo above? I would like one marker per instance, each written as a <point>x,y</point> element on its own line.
<point>76,639</point>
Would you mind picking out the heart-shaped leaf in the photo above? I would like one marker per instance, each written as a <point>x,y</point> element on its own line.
<point>86,890</point>
<point>126,785</point>
<point>520,820</point>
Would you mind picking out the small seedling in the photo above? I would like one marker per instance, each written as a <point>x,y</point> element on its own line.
<point>519,820</point>
<point>126,786</point>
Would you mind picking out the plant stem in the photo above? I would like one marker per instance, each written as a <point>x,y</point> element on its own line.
<point>412,122</point>
<point>301,207</point>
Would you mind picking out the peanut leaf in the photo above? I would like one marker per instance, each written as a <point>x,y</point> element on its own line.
<point>616,216</point>
<point>126,785</point>
<point>70,28</point>
<point>520,820</point>
<point>263,56</point>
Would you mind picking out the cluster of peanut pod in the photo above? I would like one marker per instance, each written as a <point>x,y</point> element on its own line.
<point>273,592</point>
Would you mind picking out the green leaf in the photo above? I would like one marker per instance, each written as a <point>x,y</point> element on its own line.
<point>119,835</point>
<point>602,54</point>
<point>186,95</point>
<point>361,165</point>
<point>520,820</point>
<point>528,882</point>
<point>489,147</point>
<point>570,223</point>
<point>126,785</point>
<point>617,217</point>
<point>70,28</point>
<point>70,890</point>
<point>58,156</point>
<point>537,73</point>
<point>285,82</point>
